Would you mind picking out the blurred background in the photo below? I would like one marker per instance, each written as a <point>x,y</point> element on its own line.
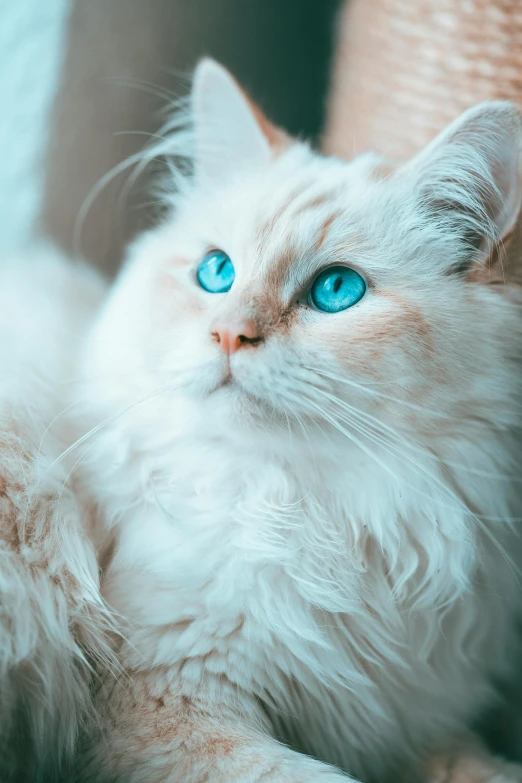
<point>82,83</point>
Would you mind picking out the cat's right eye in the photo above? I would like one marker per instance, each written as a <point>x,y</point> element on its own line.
<point>215,273</point>
<point>336,288</point>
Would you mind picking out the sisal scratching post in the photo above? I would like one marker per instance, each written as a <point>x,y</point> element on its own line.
<point>405,68</point>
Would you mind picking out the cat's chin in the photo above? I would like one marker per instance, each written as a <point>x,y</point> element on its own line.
<point>231,392</point>
<point>229,402</point>
<point>228,383</point>
<point>232,397</point>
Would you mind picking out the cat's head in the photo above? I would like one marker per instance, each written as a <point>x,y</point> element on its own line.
<point>291,288</point>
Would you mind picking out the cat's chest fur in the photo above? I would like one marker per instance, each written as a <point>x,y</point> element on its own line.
<point>313,590</point>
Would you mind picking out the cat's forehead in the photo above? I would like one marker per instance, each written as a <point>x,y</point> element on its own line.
<point>299,216</point>
<point>283,224</point>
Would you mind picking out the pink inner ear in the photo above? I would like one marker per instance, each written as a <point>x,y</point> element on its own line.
<point>275,136</point>
<point>232,134</point>
<point>484,145</point>
<point>504,163</point>
<point>508,177</point>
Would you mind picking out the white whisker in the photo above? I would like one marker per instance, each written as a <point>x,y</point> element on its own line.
<point>114,417</point>
<point>418,469</point>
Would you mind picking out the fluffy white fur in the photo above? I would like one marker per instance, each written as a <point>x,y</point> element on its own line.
<point>319,558</point>
<point>315,564</point>
<point>52,617</point>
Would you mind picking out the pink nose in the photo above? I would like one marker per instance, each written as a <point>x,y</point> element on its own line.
<point>232,336</point>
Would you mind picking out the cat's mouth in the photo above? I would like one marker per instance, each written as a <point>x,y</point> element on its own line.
<point>227,381</point>
<point>230,384</point>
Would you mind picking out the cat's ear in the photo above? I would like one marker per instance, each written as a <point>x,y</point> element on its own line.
<point>231,133</point>
<point>471,177</point>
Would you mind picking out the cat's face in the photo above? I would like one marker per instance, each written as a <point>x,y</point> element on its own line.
<point>291,288</point>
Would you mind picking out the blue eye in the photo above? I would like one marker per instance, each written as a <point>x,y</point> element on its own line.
<point>216,272</point>
<point>336,288</point>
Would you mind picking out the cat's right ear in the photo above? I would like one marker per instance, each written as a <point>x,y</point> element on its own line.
<point>231,133</point>
<point>470,178</point>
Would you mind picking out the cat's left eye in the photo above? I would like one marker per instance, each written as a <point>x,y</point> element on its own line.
<point>336,288</point>
<point>216,273</point>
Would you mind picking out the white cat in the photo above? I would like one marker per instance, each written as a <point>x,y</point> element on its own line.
<point>303,425</point>
<point>309,470</point>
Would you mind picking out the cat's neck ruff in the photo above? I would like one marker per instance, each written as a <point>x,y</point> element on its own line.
<point>323,584</point>
<point>295,500</point>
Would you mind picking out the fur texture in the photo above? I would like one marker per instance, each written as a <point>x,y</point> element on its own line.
<point>52,617</point>
<point>313,542</point>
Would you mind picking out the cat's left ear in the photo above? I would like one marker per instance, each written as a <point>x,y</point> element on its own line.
<point>470,177</point>
<point>231,132</point>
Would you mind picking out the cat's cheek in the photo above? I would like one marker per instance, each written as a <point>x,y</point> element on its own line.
<point>382,340</point>
<point>392,325</point>
<point>175,300</point>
